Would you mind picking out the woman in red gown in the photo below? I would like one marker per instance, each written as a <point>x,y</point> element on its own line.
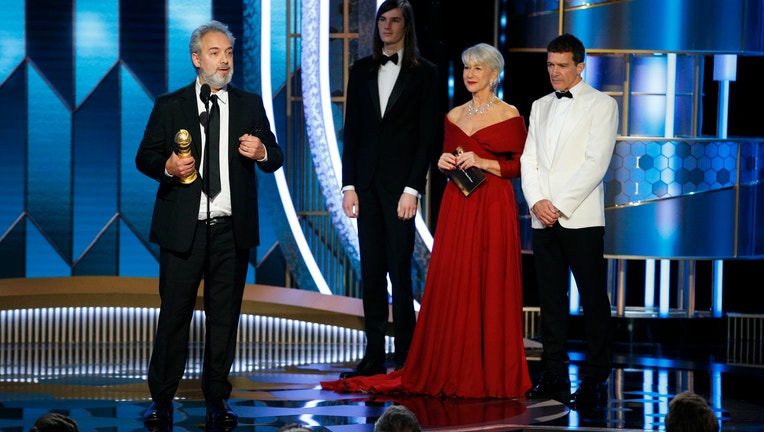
<point>468,340</point>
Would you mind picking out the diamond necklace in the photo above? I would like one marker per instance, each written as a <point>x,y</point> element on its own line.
<point>471,110</point>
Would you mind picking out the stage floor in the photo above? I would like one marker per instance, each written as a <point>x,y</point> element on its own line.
<point>266,399</point>
<point>81,348</point>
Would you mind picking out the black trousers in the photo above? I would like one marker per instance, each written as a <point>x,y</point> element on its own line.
<point>386,245</point>
<point>558,251</point>
<point>215,258</point>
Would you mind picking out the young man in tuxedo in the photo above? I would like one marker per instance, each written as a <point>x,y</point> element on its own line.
<point>391,123</point>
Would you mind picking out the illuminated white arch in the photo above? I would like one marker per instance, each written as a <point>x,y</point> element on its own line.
<point>286,198</point>
<point>319,120</point>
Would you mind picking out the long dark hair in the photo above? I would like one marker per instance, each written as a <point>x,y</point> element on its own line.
<point>410,48</point>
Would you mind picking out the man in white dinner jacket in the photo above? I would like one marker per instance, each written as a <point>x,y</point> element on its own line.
<point>571,137</point>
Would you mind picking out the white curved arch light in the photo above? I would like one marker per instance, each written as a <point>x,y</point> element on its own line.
<point>286,198</point>
<point>319,123</point>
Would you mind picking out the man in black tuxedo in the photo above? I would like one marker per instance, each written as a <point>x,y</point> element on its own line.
<point>205,228</point>
<point>391,123</point>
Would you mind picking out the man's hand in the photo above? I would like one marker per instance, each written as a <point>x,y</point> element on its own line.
<point>350,203</point>
<point>181,167</point>
<point>250,146</point>
<point>546,212</point>
<point>407,206</point>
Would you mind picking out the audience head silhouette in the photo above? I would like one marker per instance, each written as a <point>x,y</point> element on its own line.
<point>54,422</point>
<point>397,418</point>
<point>689,412</point>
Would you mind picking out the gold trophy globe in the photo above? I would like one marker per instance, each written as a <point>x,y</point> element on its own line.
<point>183,141</point>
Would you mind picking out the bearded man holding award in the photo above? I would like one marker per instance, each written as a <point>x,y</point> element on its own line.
<point>205,226</point>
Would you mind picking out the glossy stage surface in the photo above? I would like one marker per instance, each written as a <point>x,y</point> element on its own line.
<point>96,375</point>
<point>639,390</point>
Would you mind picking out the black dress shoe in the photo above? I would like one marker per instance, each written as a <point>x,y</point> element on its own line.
<point>221,416</point>
<point>158,415</point>
<point>364,369</point>
<point>551,386</point>
<point>590,392</point>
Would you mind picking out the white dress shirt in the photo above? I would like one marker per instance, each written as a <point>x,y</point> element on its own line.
<point>221,204</point>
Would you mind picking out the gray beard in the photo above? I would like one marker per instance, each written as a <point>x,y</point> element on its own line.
<point>215,81</point>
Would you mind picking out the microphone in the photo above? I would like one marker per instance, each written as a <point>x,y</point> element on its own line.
<point>204,94</point>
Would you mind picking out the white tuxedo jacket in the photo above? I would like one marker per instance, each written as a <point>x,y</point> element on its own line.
<point>570,173</point>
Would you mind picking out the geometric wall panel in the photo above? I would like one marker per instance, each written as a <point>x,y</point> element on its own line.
<point>142,41</point>
<point>95,171</point>
<point>81,77</point>
<point>42,258</point>
<point>49,164</point>
<point>50,44</point>
<point>78,81</point>
<point>13,123</point>
<point>135,259</point>
<point>136,190</point>
<point>96,42</point>
<point>653,169</point>
<point>12,34</point>
<point>13,251</point>
<point>101,256</point>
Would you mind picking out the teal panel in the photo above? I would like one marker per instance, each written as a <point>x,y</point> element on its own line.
<point>96,164</point>
<point>184,17</point>
<point>12,34</point>
<point>13,252</point>
<point>249,58</point>
<point>698,226</point>
<point>96,36</point>
<point>42,259</point>
<point>50,44</point>
<point>135,259</point>
<point>137,190</point>
<point>279,66</point>
<point>12,164</point>
<point>143,40</point>
<point>251,274</point>
<point>102,256</point>
<point>49,187</point>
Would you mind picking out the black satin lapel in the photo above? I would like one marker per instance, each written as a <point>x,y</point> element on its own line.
<point>373,87</point>
<point>236,122</point>
<point>400,85</point>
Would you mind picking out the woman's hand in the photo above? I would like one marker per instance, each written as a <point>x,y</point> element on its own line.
<point>446,162</point>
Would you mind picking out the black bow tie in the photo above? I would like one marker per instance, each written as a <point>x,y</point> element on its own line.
<point>561,95</point>
<point>393,58</point>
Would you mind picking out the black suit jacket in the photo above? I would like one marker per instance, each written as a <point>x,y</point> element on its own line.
<point>390,147</point>
<point>177,205</point>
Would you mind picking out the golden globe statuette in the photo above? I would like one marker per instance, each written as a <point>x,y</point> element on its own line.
<point>183,141</point>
